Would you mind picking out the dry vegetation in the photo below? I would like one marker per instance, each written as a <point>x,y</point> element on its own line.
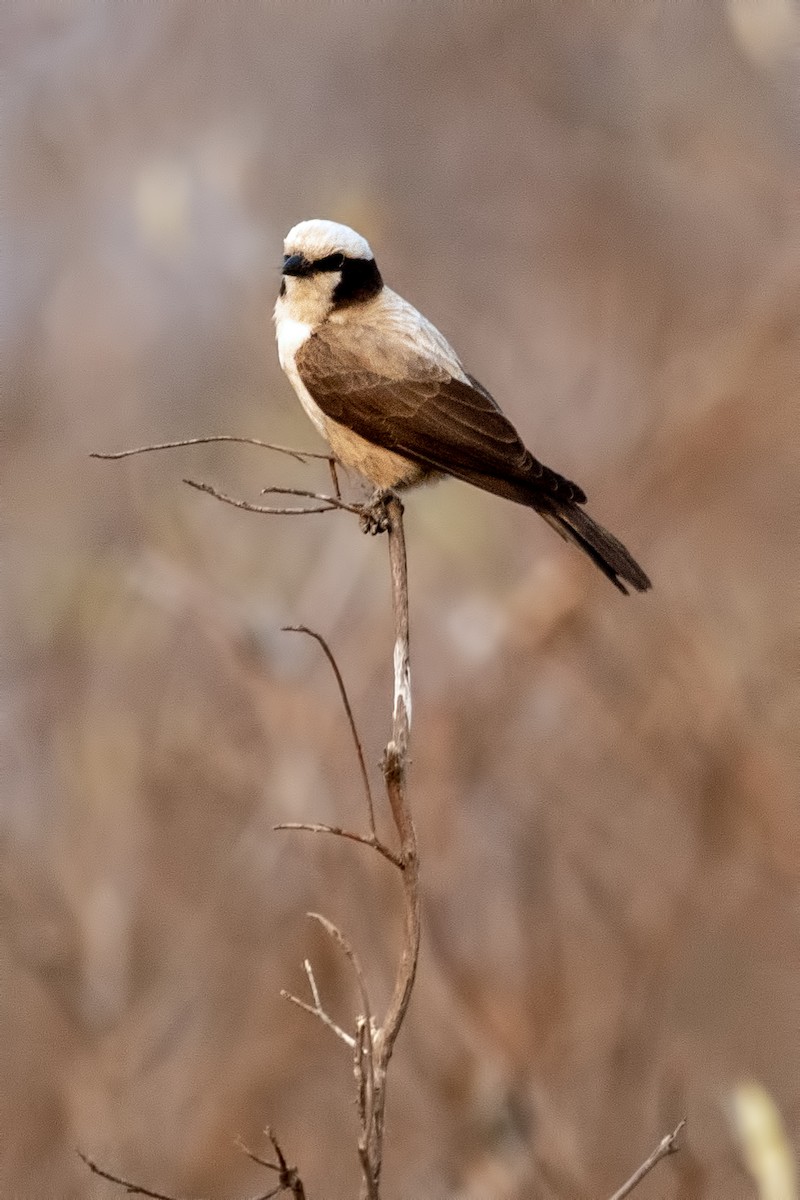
<point>599,206</point>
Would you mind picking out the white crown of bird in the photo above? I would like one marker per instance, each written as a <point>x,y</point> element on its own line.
<point>317,239</point>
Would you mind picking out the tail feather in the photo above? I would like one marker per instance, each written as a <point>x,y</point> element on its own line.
<point>606,552</point>
<point>558,501</point>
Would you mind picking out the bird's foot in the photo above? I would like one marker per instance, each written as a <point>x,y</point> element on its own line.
<point>374,516</point>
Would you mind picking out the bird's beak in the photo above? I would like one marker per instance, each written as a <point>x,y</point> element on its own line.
<point>295,264</point>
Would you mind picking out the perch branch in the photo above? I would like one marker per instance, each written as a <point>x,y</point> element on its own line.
<point>373,1043</point>
<point>668,1145</point>
<point>394,769</point>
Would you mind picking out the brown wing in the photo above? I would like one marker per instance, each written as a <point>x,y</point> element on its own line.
<point>419,410</point>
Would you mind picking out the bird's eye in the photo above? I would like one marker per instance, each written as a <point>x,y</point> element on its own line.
<point>332,262</point>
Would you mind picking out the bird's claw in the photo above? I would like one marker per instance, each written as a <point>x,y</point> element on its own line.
<point>374,516</point>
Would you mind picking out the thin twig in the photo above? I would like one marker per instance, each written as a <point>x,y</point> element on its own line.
<point>334,477</point>
<point>334,501</point>
<point>337,936</point>
<point>288,1178</point>
<point>365,840</point>
<point>668,1145</point>
<point>132,1189</point>
<point>316,1009</point>
<point>301,455</point>
<point>350,718</point>
<point>331,505</point>
<point>262,1162</point>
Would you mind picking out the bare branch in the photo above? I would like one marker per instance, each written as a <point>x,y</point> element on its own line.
<point>351,720</point>
<point>316,1009</point>
<point>132,1189</point>
<point>365,840</point>
<point>301,455</point>
<point>262,1162</point>
<point>288,1178</point>
<point>330,505</point>
<point>394,770</point>
<point>668,1145</point>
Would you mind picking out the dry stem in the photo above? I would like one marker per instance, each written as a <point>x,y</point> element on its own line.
<point>301,455</point>
<point>394,770</point>
<point>373,1044</point>
<point>668,1145</point>
<point>288,1178</point>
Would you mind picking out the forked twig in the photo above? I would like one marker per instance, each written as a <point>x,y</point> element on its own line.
<point>329,502</point>
<point>336,935</point>
<point>316,1009</point>
<point>350,718</point>
<point>288,1178</point>
<point>364,1042</point>
<point>668,1145</point>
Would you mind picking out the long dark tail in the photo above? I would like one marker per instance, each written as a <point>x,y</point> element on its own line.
<point>606,552</point>
<point>559,501</point>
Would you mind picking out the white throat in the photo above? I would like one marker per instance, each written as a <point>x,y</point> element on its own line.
<point>291,335</point>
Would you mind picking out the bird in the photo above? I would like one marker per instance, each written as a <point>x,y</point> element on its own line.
<point>396,404</point>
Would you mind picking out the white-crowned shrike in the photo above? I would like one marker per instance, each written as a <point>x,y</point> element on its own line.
<point>394,401</point>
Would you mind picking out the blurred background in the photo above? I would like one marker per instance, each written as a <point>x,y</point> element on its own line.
<point>598,205</point>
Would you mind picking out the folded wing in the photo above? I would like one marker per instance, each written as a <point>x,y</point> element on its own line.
<point>386,391</point>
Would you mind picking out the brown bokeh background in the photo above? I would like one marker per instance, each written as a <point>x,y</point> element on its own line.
<point>598,204</point>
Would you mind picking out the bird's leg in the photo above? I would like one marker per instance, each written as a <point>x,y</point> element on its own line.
<point>374,515</point>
